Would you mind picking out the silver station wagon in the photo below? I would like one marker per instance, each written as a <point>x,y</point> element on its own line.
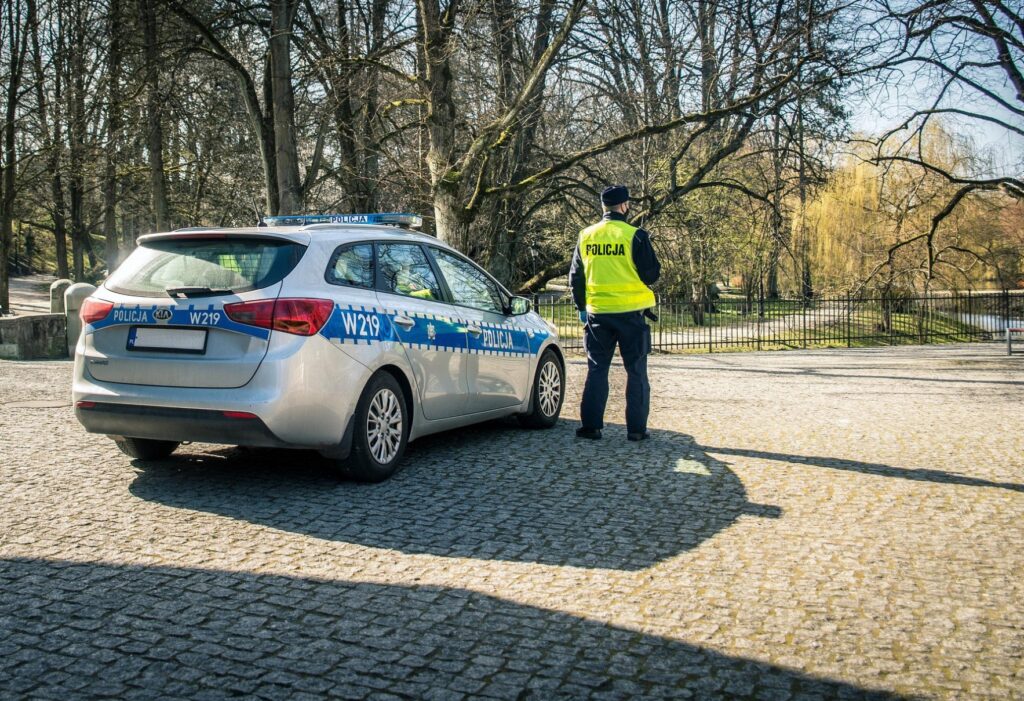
<point>341,333</point>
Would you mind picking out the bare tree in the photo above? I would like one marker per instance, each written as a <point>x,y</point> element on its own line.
<point>49,89</point>
<point>261,113</point>
<point>14,39</point>
<point>154,114</point>
<point>972,51</point>
<point>114,125</point>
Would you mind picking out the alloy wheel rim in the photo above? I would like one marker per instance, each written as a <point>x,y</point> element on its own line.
<point>550,388</point>
<point>384,426</point>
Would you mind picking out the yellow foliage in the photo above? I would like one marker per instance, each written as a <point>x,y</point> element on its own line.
<point>859,219</point>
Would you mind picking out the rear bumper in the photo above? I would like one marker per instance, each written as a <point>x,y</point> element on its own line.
<point>303,395</point>
<point>172,424</point>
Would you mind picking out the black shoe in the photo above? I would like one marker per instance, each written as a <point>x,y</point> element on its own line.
<point>589,433</point>
<point>638,436</point>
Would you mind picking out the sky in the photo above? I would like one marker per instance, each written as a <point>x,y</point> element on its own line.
<point>885,105</point>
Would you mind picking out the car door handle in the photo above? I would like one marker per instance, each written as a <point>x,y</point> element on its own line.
<point>474,329</point>
<point>405,322</point>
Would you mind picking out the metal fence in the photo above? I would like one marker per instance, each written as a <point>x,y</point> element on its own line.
<point>736,324</point>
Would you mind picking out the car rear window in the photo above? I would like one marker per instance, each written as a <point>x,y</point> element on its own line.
<point>220,265</point>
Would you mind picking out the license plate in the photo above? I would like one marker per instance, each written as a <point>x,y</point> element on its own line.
<point>169,339</point>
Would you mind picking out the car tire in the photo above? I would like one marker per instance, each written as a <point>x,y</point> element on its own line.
<point>145,448</point>
<point>548,393</point>
<point>380,431</point>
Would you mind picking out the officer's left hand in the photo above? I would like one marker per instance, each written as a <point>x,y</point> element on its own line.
<point>583,317</point>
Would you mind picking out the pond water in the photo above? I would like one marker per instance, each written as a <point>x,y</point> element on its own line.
<point>988,322</point>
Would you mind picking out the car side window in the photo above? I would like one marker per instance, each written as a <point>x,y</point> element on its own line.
<point>352,265</point>
<point>469,285</point>
<point>405,270</point>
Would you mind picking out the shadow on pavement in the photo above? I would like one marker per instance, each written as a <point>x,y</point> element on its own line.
<point>858,373</point>
<point>490,492</point>
<point>870,468</point>
<point>74,630</point>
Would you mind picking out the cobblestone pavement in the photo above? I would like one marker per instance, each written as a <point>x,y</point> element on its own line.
<point>833,524</point>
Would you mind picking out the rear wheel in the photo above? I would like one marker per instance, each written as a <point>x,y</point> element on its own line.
<point>548,393</point>
<point>381,430</point>
<point>145,448</point>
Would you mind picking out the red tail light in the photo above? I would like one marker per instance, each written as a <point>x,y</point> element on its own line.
<point>303,317</point>
<point>94,310</point>
<point>259,313</point>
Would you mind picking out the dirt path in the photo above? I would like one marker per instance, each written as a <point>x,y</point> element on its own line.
<point>31,294</point>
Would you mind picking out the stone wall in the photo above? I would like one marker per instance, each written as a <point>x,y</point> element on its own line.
<point>33,337</point>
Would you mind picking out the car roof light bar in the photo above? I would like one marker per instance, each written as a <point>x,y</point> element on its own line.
<point>385,218</point>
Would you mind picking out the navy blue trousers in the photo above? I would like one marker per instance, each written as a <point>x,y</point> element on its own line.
<point>633,336</point>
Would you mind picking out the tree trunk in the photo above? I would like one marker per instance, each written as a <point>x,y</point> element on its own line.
<point>698,279</point>
<point>370,155</point>
<point>263,123</point>
<point>77,133</point>
<point>806,286</point>
<point>450,219</point>
<point>17,36</point>
<point>113,135</point>
<point>505,218</point>
<point>777,233</point>
<point>282,16</point>
<point>344,117</point>
<point>542,278</point>
<point>60,235</point>
<point>697,249</point>
<point>154,113</point>
<point>773,270</point>
<point>446,183</point>
<point>52,140</point>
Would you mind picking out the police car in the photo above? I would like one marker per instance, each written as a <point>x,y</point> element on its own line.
<point>347,334</point>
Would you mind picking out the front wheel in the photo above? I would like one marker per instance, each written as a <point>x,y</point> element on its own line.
<point>381,430</point>
<point>548,393</point>
<point>145,448</point>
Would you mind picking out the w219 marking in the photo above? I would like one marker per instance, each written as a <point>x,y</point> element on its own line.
<point>204,318</point>
<point>365,325</point>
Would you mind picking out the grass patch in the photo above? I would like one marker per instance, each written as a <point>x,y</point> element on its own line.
<point>866,327</point>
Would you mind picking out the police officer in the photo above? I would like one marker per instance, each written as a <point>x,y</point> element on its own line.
<point>612,269</point>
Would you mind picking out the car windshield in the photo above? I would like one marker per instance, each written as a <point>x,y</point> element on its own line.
<point>195,267</point>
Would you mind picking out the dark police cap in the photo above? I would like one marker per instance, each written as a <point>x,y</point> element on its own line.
<point>616,194</point>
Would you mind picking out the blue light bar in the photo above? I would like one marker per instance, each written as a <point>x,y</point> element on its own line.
<point>387,218</point>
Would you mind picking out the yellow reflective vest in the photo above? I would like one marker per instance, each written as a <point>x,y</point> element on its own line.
<point>613,285</point>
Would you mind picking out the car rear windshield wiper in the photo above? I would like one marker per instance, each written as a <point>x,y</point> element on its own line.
<point>195,291</point>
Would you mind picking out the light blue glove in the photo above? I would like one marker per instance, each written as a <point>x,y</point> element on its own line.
<point>583,317</point>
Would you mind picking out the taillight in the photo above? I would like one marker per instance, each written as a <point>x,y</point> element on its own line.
<point>259,313</point>
<point>94,310</point>
<point>303,317</point>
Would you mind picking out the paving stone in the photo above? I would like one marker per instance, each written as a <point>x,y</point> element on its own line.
<point>823,524</point>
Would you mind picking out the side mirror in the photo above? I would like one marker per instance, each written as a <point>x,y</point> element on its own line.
<point>520,305</point>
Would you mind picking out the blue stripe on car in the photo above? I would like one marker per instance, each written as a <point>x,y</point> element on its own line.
<point>210,317</point>
<point>362,325</point>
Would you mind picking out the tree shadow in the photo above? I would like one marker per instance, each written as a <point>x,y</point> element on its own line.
<point>870,468</point>
<point>73,630</point>
<point>491,492</point>
<point>854,373</point>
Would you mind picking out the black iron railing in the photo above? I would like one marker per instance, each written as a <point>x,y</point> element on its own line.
<point>736,323</point>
